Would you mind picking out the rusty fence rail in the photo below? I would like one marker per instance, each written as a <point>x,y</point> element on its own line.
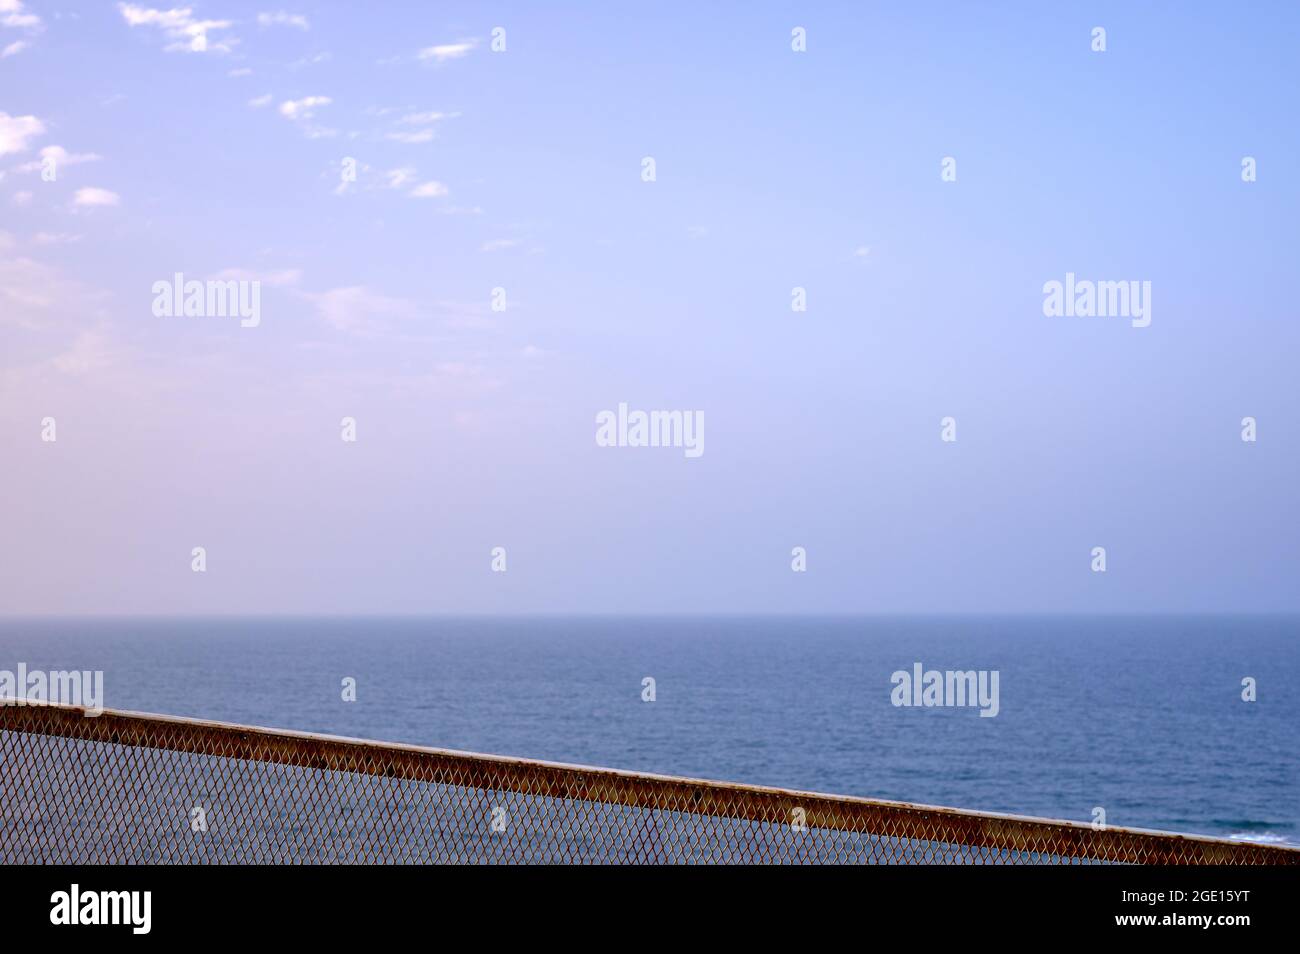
<point>134,788</point>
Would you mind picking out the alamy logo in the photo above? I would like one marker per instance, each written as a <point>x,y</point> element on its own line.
<point>134,908</point>
<point>626,428</point>
<point>930,687</point>
<point>1088,299</point>
<point>211,299</point>
<point>76,688</point>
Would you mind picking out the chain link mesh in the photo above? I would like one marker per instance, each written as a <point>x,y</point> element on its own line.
<point>128,788</point>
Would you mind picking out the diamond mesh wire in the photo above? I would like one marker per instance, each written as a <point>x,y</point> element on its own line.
<point>129,788</point>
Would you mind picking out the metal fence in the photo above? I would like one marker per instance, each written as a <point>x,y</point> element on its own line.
<point>134,788</point>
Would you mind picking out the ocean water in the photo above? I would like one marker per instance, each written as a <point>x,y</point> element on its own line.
<point>1141,716</point>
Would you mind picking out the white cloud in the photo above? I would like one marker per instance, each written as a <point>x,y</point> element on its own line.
<point>423,135</point>
<point>89,352</point>
<point>862,251</point>
<point>14,48</point>
<point>425,119</point>
<point>67,321</point>
<point>16,16</point>
<point>56,238</point>
<point>303,108</point>
<point>397,178</point>
<point>16,130</point>
<point>61,158</point>
<point>178,25</point>
<point>447,51</point>
<point>26,289</point>
<point>500,245</point>
<point>357,309</point>
<point>298,64</point>
<point>242,71</point>
<point>95,197</point>
<point>281,279</point>
<point>301,111</point>
<point>429,190</point>
<point>257,102</point>
<point>403,179</point>
<point>280,18</point>
<point>22,198</point>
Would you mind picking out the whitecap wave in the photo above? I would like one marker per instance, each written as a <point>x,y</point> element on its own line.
<point>1263,838</point>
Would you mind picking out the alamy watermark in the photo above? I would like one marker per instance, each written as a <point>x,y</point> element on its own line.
<point>82,688</point>
<point>930,687</point>
<point>1088,299</point>
<point>130,908</point>
<point>211,299</point>
<point>624,428</point>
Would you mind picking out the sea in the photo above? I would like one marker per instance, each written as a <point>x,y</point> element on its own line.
<point>1143,717</point>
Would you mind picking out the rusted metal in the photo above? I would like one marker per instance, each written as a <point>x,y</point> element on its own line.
<point>124,787</point>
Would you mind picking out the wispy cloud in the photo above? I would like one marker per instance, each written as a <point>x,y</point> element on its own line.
<point>398,178</point>
<point>429,190</point>
<point>56,238</point>
<point>357,309</point>
<point>89,351</point>
<point>298,64</point>
<point>304,108</point>
<point>14,48</point>
<point>92,197</point>
<point>443,52</point>
<point>35,296</point>
<point>403,179</point>
<point>68,322</point>
<point>283,278</point>
<point>27,291</point>
<point>281,18</point>
<point>500,245</point>
<point>421,135</point>
<point>60,156</point>
<point>422,121</point>
<point>179,25</point>
<point>257,102</point>
<point>302,111</point>
<point>425,119</point>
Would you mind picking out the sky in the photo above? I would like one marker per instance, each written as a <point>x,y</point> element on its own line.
<point>501,147</point>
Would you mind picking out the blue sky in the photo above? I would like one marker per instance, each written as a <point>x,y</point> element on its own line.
<point>521,170</point>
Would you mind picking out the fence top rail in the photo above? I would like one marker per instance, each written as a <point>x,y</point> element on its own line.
<point>342,753</point>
